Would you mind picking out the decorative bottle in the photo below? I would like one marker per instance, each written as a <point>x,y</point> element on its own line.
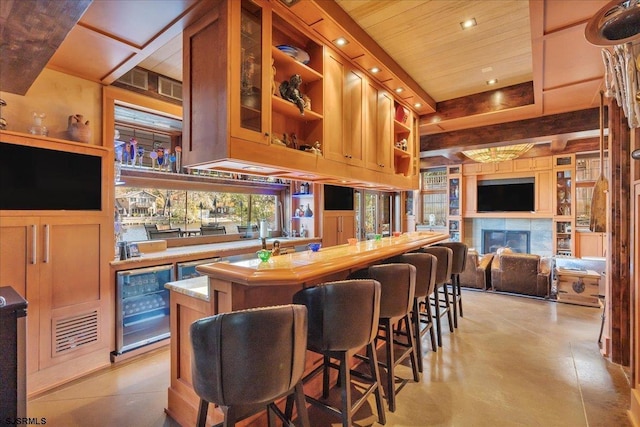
<point>308,212</point>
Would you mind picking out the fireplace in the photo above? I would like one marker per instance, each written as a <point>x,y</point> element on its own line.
<point>518,241</point>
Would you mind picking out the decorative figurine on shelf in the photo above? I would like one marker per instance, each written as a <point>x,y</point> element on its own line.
<point>276,248</point>
<point>294,141</point>
<point>248,70</point>
<point>179,159</point>
<point>154,159</point>
<point>290,90</point>
<point>285,141</point>
<point>308,212</point>
<point>317,148</point>
<point>277,141</point>
<point>274,87</point>
<point>78,131</point>
<point>3,122</point>
<point>307,102</point>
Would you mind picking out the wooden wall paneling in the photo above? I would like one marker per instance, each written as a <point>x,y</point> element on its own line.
<point>618,279</point>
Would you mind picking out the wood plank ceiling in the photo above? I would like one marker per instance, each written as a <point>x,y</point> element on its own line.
<point>535,49</point>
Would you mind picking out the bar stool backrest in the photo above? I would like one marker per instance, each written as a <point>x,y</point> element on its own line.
<point>249,356</point>
<point>459,261</point>
<point>398,284</point>
<point>445,259</point>
<point>426,266</point>
<point>207,230</point>
<point>342,315</point>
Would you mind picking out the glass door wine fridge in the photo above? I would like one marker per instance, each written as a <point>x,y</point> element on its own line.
<point>142,306</point>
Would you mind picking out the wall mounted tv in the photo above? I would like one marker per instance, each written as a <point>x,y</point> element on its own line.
<point>506,195</point>
<point>35,178</point>
<point>337,198</point>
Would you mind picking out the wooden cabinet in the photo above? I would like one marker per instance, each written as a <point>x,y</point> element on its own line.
<point>303,208</point>
<point>235,111</point>
<point>532,164</point>
<point>563,241</point>
<point>470,195</point>
<point>404,141</point>
<point>378,129</point>
<point>454,197</point>
<point>544,197</point>
<point>58,260</point>
<point>343,111</point>
<point>589,244</point>
<point>337,227</point>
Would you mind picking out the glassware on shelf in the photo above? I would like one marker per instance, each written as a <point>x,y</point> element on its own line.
<point>38,127</point>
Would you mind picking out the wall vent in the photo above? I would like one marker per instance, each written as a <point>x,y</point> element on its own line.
<point>74,332</point>
<point>136,78</point>
<point>169,88</point>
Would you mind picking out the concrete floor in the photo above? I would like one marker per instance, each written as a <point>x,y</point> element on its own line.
<point>513,361</point>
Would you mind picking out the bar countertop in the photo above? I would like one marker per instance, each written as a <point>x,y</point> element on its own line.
<point>307,266</point>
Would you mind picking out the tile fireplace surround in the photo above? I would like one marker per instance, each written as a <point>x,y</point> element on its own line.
<point>540,230</point>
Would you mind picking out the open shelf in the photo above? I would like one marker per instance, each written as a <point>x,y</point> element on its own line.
<point>290,110</point>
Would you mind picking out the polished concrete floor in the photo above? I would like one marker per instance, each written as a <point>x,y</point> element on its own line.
<point>513,361</point>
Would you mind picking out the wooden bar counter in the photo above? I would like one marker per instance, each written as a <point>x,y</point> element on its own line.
<point>251,283</point>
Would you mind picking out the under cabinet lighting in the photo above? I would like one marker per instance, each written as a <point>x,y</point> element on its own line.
<point>492,82</point>
<point>341,41</point>
<point>468,23</point>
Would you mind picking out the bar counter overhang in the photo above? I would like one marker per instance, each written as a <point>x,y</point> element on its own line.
<point>251,283</point>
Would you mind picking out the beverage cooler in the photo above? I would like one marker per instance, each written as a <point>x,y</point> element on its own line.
<point>142,306</point>
<point>187,270</point>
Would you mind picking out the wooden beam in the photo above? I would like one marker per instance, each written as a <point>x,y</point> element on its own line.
<point>557,124</point>
<point>31,33</point>
<point>482,103</point>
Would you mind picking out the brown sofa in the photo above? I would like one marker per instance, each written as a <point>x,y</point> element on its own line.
<point>477,272</point>
<point>525,274</point>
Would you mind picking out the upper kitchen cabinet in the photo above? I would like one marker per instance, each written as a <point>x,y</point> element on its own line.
<point>404,141</point>
<point>343,112</point>
<point>235,111</point>
<point>379,129</point>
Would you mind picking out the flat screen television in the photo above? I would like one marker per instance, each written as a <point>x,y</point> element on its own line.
<point>338,198</point>
<point>35,178</point>
<point>506,195</point>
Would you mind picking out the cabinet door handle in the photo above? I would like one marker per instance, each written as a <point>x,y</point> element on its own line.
<point>34,244</point>
<point>45,256</point>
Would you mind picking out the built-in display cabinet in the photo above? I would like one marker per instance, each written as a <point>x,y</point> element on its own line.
<point>454,196</point>
<point>303,209</point>
<point>58,260</point>
<point>563,205</point>
<point>287,105</point>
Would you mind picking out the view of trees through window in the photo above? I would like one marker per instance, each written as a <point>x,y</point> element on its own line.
<point>188,210</point>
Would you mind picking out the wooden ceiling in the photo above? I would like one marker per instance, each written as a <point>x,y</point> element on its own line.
<point>536,49</point>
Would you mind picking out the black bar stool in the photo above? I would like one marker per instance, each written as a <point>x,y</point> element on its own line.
<point>458,265</point>
<point>441,304</point>
<point>398,283</point>
<point>426,265</point>
<point>343,318</point>
<point>244,360</point>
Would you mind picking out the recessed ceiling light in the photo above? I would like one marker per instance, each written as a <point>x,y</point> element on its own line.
<point>374,70</point>
<point>341,41</point>
<point>492,82</point>
<point>468,23</point>
<point>417,105</point>
<point>252,168</point>
<point>399,90</point>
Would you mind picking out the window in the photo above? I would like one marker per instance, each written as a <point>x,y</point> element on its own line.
<point>188,210</point>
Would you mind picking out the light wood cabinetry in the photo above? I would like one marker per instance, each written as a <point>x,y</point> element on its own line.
<point>58,260</point>
<point>303,208</point>
<point>589,244</point>
<point>544,197</point>
<point>563,208</point>
<point>532,164</point>
<point>238,118</point>
<point>404,144</point>
<point>337,227</point>
<point>378,129</point>
<point>455,199</point>
<point>343,112</point>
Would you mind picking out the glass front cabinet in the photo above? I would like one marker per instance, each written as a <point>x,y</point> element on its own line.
<point>563,205</point>
<point>454,193</point>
